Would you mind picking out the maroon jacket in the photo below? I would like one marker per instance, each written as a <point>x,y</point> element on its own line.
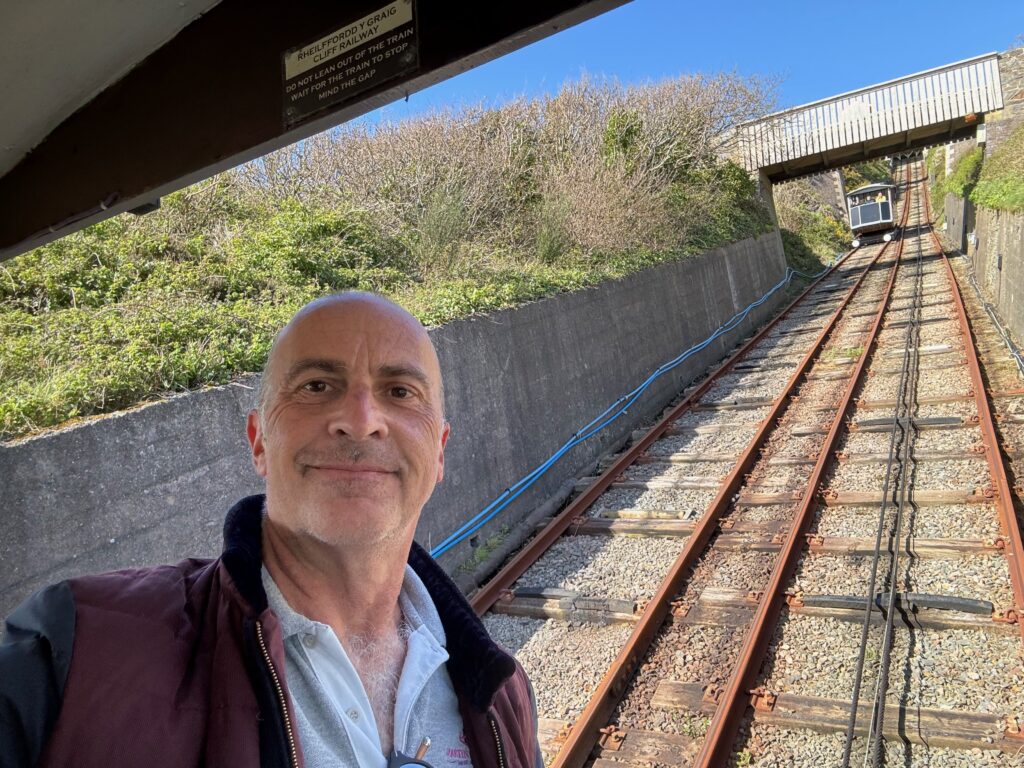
<point>184,665</point>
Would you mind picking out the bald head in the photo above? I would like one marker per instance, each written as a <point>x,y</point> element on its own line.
<point>335,312</point>
<point>350,429</point>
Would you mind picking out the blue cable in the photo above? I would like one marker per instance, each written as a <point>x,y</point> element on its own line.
<point>602,421</point>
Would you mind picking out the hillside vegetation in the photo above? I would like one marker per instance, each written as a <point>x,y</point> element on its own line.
<point>1000,182</point>
<point>459,212</point>
<point>813,231</point>
<point>869,172</point>
<point>995,182</point>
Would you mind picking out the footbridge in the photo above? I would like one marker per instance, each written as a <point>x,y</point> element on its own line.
<point>936,106</point>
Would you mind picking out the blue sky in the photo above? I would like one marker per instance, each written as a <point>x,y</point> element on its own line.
<point>810,46</point>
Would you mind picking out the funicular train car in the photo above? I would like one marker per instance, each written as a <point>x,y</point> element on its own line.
<point>872,213</point>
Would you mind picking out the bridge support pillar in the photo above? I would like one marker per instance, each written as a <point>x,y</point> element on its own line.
<point>764,189</point>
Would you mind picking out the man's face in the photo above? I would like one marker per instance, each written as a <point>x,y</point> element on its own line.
<point>351,441</point>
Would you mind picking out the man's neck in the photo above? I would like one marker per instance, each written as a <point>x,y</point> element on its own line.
<point>355,593</point>
<point>357,596</point>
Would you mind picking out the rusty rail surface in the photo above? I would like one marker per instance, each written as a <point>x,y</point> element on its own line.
<point>1013,547</point>
<point>718,742</point>
<point>489,593</point>
<point>586,731</point>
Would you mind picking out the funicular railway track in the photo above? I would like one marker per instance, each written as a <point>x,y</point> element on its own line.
<point>683,608</point>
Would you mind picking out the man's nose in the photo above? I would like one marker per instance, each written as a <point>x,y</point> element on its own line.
<point>358,415</point>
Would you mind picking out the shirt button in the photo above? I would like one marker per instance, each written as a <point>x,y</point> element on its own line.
<point>353,714</point>
<point>309,640</point>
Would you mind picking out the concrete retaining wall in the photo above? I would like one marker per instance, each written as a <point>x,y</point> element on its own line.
<point>151,485</point>
<point>955,222</point>
<point>998,258</point>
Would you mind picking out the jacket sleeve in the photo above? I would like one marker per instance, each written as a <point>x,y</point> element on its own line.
<point>539,756</point>
<point>34,660</point>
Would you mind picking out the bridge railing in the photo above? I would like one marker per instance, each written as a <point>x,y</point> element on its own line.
<point>926,98</point>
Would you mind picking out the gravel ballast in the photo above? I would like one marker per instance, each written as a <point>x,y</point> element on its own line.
<point>620,567</point>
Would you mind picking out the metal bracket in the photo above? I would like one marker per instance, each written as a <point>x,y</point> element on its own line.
<point>680,608</point>
<point>1012,728</point>
<point>978,447</point>
<point>611,738</point>
<point>506,595</point>
<point>712,694</point>
<point>754,596</point>
<point>814,539</point>
<point>1009,616</point>
<point>830,495</point>
<point>727,525</point>
<point>563,734</point>
<point>795,599</point>
<point>763,699</point>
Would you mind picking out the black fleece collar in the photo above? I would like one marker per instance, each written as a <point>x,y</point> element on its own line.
<point>477,665</point>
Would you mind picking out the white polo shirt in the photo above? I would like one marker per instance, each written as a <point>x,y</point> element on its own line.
<point>335,721</point>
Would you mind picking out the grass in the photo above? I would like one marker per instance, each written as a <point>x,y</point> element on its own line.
<point>484,551</point>
<point>935,162</point>
<point>1000,184</point>
<point>836,353</point>
<point>451,215</point>
<point>962,180</point>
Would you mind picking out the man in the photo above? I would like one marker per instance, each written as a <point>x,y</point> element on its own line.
<point>323,635</point>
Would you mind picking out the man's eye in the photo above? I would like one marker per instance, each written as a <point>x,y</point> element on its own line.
<point>315,386</point>
<point>401,392</point>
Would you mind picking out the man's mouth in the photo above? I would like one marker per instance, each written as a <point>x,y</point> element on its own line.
<point>352,471</point>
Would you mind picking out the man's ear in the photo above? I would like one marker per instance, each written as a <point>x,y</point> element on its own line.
<point>440,454</point>
<point>254,431</point>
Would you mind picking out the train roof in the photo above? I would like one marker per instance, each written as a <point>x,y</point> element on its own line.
<point>870,188</point>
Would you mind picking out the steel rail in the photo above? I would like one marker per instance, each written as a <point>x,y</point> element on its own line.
<point>491,592</point>
<point>717,745</point>
<point>1013,545</point>
<point>585,732</point>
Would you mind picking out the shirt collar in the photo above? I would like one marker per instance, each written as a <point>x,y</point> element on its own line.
<point>417,607</point>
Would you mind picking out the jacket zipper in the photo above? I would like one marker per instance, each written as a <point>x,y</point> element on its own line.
<point>281,700</point>
<point>497,741</point>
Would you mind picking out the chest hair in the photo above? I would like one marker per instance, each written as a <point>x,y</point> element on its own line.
<point>379,663</point>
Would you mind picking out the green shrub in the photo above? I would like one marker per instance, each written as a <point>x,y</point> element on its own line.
<point>869,172</point>
<point>1001,182</point>
<point>965,174</point>
<point>935,163</point>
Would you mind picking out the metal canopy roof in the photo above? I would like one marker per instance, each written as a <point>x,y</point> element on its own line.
<point>108,105</point>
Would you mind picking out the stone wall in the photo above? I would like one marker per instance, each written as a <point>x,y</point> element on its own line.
<point>994,240</point>
<point>1000,124</point>
<point>151,485</point>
